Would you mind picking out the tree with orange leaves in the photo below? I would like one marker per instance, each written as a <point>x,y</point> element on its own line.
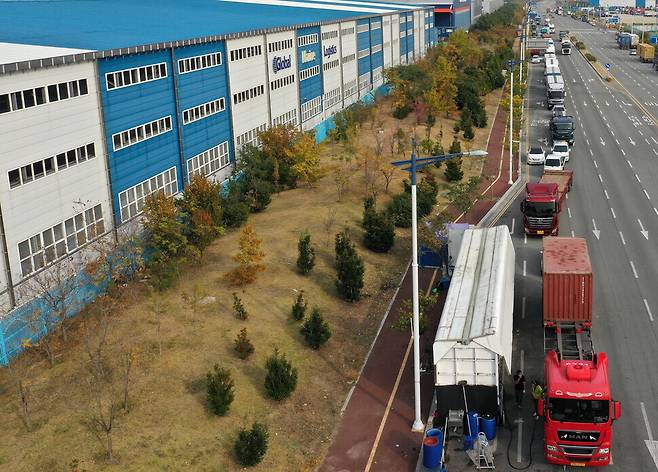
<point>249,258</point>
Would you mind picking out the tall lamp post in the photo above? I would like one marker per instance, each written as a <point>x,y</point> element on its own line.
<point>510,65</point>
<point>411,166</point>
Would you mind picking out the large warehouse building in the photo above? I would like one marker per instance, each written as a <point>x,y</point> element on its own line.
<point>104,103</point>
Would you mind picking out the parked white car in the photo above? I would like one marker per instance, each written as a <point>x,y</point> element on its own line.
<point>536,155</point>
<point>553,162</point>
<point>536,59</point>
<point>561,148</point>
<point>559,110</point>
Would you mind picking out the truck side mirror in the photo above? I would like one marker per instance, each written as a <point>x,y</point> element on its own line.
<point>617,410</point>
<point>540,407</point>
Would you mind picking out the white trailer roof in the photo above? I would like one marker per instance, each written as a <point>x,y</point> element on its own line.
<point>476,324</point>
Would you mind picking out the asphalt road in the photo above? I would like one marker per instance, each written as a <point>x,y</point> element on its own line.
<point>613,205</point>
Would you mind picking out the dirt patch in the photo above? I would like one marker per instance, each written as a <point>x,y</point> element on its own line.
<point>168,426</point>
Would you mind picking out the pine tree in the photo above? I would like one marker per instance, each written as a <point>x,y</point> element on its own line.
<point>453,170</point>
<point>281,378</point>
<point>299,307</point>
<point>349,268</point>
<point>251,445</point>
<point>221,390</point>
<point>316,330</point>
<point>249,258</point>
<point>379,233</point>
<point>239,310</point>
<point>455,147</point>
<point>306,257</point>
<point>243,345</point>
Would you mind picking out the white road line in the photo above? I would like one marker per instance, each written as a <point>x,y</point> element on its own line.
<point>617,141</point>
<point>606,194</point>
<point>613,213</point>
<point>600,178</point>
<point>595,164</point>
<point>646,421</point>
<point>525,238</point>
<point>646,194</point>
<point>569,211</point>
<point>629,163</point>
<point>654,151</point>
<point>519,441</point>
<point>641,133</point>
<point>646,305</point>
<point>634,271</point>
<point>573,235</point>
<point>623,241</point>
<point>524,267</point>
<point>512,228</point>
<point>612,132</point>
<point>654,140</point>
<point>622,151</point>
<point>637,178</point>
<point>647,141</point>
<point>523,308</point>
<point>592,154</point>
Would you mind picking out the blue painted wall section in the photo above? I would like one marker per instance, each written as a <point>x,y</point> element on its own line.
<point>377,38</point>
<point>202,86</point>
<point>363,42</point>
<point>410,32</point>
<point>312,53</point>
<point>127,107</point>
<point>403,41</point>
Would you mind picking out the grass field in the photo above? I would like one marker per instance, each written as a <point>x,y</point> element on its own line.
<point>168,427</point>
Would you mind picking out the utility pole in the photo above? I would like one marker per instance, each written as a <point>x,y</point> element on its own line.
<point>511,117</point>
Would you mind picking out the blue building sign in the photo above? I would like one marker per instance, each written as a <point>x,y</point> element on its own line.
<point>281,63</point>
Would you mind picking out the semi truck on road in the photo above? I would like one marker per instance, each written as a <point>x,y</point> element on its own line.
<point>543,202</point>
<point>566,47</point>
<point>562,129</point>
<point>646,52</point>
<point>577,407</point>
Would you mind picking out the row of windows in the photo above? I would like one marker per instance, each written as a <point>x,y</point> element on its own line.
<point>243,53</point>
<point>377,75</point>
<point>332,97</point>
<point>41,95</point>
<point>56,242</point>
<point>311,108</point>
<point>349,89</point>
<point>403,19</point>
<point>282,82</point>
<point>329,35</point>
<point>141,133</point>
<point>288,118</point>
<point>208,162</point>
<point>330,65</point>
<point>375,25</point>
<point>307,39</point>
<point>364,53</point>
<point>203,110</point>
<point>50,165</point>
<point>376,48</point>
<point>347,31</point>
<point>362,28</point>
<point>250,137</point>
<point>403,34</point>
<point>190,64</point>
<point>131,201</point>
<point>349,58</point>
<point>248,94</point>
<point>279,45</point>
<point>308,73</point>
<point>364,81</point>
<point>136,75</point>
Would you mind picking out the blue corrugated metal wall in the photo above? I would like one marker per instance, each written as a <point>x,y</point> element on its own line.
<point>127,107</point>
<point>310,88</point>
<point>377,38</point>
<point>202,86</point>
<point>363,43</point>
<point>410,33</point>
<point>403,41</point>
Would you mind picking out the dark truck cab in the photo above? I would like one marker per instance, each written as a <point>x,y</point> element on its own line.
<point>562,129</point>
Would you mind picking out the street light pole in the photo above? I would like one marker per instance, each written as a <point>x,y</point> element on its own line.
<point>511,118</point>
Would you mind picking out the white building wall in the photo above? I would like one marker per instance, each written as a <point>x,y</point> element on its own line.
<point>387,47</point>
<point>332,77</point>
<point>349,63</point>
<point>283,78</point>
<point>36,134</point>
<point>248,76</point>
<point>395,40</point>
<point>419,30</point>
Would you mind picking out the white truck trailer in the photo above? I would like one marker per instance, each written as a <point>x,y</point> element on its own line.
<point>472,349</point>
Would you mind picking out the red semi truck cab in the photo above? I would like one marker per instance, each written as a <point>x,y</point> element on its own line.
<point>578,411</point>
<point>577,407</point>
<point>543,202</point>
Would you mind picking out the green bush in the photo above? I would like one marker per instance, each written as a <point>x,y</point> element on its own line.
<point>590,57</point>
<point>306,254</point>
<point>454,172</point>
<point>428,190</point>
<point>316,330</point>
<point>220,390</point>
<point>580,45</point>
<point>399,210</point>
<point>281,378</point>
<point>234,210</point>
<point>402,112</point>
<point>379,233</point>
<point>349,269</point>
<point>299,307</point>
<point>251,445</point>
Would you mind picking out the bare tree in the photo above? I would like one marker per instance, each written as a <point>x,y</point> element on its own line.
<point>129,359</point>
<point>328,224</point>
<point>18,373</point>
<point>342,172</point>
<point>159,309</point>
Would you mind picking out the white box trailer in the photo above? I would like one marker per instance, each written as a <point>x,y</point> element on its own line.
<point>473,345</point>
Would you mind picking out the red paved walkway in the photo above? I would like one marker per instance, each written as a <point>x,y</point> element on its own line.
<point>398,448</point>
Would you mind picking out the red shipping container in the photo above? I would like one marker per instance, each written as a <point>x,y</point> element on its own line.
<point>568,280</point>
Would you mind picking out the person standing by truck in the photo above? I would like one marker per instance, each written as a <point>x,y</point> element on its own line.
<point>519,387</point>
<point>537,393</point>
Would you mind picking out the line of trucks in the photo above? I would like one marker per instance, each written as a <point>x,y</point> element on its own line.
<point>646,52</point>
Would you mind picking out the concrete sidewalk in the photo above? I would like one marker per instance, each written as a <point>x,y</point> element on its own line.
<point>375,431</point>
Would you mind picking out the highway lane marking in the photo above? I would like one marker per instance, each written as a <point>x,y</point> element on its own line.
<point>642,134</point>
<point>622,151</point>
<point>612,210</point>
<point>655,152</point>
<point>631,140</point>
<point>523,308</point>
<point>525,238</point>
<point>613,133</point>
<point>646,194</point>
<point>606,194</point>
<point>587,141</point>
<point>637,178</point>
<point>647,141</point>
<point>596,231</point>
<point>524,267</point>
<point>617,141</point>
<point>634,271</point>
<point>654,140</point>
<point>519,440</point>
<point>623,241</point>
<point>573,235</point>
<point>569,211</point>
<point>600,178</point>
<point>646,305</point>
<point>642,230</point>
<point>591,153</point>
<point>646,421</point>
<point>629,163</point>
<point>595,164</point>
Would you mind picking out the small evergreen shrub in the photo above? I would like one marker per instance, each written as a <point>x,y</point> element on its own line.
<point>316,330</point>
<point>306,257</point>
<point>349,268</point>
<point>243,345</point>
<point>281,378</point>
<point>299,307</point>
<point>590,57</point>
<point>454,172</point>
<point>399,210</point>
<point>251,445</point>
<point>239,310</point>
<point>380,232</point>
<point>220,390</point>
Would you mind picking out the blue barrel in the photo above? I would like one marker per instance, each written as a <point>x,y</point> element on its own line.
<point>468,442</point>
<point>473,421</point>
<point>438,434</point>
<point>431,452</point>
<point>488,426</point>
